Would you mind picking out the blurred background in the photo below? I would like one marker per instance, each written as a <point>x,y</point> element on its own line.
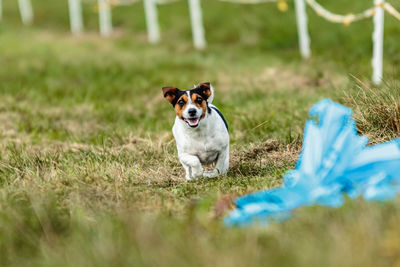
<point>89,174</point>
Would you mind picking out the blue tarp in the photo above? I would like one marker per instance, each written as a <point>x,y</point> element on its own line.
<point>334,161</point>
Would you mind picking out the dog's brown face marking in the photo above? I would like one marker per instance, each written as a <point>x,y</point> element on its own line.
<point>180,105</point>
<point>177,98</point>
<point>180,99</point>
<point>199,102</point>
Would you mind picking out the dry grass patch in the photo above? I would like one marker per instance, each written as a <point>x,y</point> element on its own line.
<point>376,110</point>
<point>263,158</point>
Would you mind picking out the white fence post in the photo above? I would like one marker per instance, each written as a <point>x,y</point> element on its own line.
<point>153,29</point>
<point>25,8</point>
<point>105,20</point>
<point>196,20</point>
<point>377,37</point>
<point>302,28</point>
<point>75,16</point>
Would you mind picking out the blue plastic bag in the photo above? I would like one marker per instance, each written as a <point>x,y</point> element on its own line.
<point>334,161</point>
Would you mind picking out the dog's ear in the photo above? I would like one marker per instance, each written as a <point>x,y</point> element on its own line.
<point>170,93</point>
<point>206,89</point>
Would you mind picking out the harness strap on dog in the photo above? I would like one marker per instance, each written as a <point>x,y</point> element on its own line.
<point>222,116</point>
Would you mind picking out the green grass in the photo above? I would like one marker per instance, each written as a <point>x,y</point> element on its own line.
<point>89,174</point>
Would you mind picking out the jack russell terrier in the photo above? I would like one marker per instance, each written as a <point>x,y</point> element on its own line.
<point>200,131</point>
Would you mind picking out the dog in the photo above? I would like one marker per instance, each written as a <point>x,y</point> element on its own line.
<point>200,131</point>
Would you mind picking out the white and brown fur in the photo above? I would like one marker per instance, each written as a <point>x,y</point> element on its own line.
<point>200,131</point>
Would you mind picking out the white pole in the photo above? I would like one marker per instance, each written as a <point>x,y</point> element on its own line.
<point>25,8</point>
<point>105,20</point>
<point>196,20</point>
<point>377,38</point>
<point>153,29</point>
<point>302,28</point>
<point>75,16</point>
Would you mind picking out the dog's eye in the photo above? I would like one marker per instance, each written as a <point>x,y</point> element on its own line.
<point>199,100</point>
<point>181,103</point>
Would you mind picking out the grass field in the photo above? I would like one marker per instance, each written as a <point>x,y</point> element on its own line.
<point>89,174</point>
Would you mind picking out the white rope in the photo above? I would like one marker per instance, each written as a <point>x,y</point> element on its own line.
<point>391,10</point>
<point>336,18</point>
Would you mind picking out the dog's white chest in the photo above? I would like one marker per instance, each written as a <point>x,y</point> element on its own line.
<point>206,144</point>
<point>207,153</point>
<point>206,148</point>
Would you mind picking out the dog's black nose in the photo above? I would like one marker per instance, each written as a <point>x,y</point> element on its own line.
<point>192,112</point>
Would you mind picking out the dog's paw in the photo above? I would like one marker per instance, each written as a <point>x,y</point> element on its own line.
<point>196,173</point>
<point>210,174</point>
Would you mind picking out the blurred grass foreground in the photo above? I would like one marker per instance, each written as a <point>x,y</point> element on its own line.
<point>89,174</point>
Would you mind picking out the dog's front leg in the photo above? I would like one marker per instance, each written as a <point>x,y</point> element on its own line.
<point>222,165</point>
<point>192,166</point>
